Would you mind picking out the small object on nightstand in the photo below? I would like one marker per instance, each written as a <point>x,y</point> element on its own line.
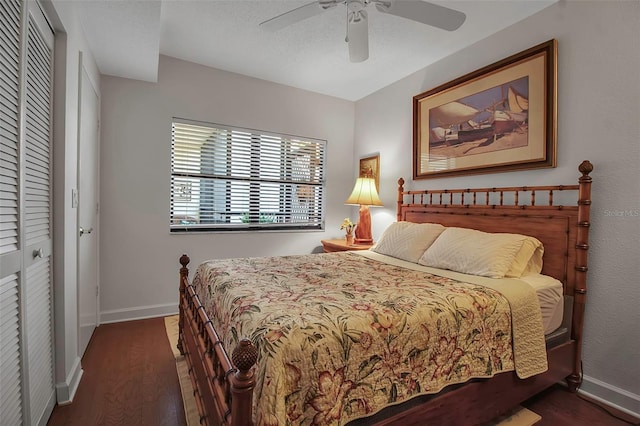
<point>349,239</point>
<point>348,227</point>
<point>341,245</point>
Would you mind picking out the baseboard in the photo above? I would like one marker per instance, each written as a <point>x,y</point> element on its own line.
<point>141,312</point>
<point>44,418</point>
<point>612,396</point>
<point>66,390</point>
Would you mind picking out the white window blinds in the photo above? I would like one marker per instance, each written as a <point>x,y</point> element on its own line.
<point>225,178</point>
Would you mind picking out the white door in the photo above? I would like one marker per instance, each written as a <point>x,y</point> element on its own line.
<point>88,289</point>
<point>37,296</point>
<point>11,373</point>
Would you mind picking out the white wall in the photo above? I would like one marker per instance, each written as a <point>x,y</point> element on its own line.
<point>139,258</point>
<point>70,43</point>
<point>598,120</point>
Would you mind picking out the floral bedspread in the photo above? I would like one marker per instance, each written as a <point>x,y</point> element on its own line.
<point>341,336</point>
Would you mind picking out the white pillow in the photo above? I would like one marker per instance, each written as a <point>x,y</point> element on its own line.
<point>475,252</point>
<point>407,240</point>
<point>528,260</point>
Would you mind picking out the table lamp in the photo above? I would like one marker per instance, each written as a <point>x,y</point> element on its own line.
<point>364,194</point>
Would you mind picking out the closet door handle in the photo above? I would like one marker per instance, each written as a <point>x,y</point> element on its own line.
<point>85,231</point>
<point>38,253</point>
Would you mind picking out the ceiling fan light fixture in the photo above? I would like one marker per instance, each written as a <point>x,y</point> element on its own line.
<point>358,36</point>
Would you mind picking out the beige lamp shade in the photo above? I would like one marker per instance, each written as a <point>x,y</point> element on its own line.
<point>364,193</point>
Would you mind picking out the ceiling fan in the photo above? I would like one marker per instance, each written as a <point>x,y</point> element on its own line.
<point>357,22</point>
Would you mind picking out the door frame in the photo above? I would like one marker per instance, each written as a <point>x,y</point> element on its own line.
<point>82,70</point>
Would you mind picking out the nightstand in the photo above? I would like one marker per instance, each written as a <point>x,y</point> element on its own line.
<point>341,245</point>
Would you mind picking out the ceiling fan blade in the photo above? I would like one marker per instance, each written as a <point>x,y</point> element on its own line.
<point>297,15</point>
<point>358,36</point>
<point>424,12</point>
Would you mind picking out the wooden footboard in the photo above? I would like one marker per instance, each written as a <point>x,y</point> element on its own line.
<point>223,393</point>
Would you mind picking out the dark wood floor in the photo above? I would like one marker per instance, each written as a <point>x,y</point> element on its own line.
<point>130,379</point>
<point>559,407</point>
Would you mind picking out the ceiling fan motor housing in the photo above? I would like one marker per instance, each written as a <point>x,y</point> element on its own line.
<point>355,5</point>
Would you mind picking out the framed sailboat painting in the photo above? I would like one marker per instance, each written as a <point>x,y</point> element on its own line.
<point>499,118</point>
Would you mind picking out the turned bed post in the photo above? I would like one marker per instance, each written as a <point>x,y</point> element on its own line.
<point>243,381</point>
<point>184,275</point>
<point>400,198</point>
<point>580,290</point>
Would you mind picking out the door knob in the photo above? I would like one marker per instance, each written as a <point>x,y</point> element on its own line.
<point>38,253</point>
<point>85,231</point>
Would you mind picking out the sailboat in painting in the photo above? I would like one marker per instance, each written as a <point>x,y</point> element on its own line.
<point>456,124</point>
<point>514,116</point>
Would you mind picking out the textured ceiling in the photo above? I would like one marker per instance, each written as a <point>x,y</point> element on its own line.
<point>126,38</point>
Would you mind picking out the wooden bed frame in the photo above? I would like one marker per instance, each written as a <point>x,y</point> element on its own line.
<point>223,387</point>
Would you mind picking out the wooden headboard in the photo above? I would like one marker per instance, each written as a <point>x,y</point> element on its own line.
<point>528,210</point>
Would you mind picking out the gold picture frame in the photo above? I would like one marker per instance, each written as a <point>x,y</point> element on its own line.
<point>370,167</point>
<point>499,118</point>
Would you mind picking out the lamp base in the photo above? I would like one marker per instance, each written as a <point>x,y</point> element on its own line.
<point>363,230</point>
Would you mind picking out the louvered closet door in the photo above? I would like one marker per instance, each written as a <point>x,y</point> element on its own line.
<point>27,392</point>
<point>10,369</point>
<point>10,256</point>
<point>37,205</point>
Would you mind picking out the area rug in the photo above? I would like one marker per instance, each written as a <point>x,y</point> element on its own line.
<point>190,408</point>
<point>519,416</point>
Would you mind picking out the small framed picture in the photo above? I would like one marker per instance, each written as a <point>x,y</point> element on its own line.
<point>370,167</point>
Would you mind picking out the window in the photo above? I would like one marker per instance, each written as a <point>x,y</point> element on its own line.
<point>230,179</point>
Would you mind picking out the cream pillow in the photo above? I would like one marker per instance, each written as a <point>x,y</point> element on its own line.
<point>474,252</point>
<point>407,240</point>
<point>528,260</point>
